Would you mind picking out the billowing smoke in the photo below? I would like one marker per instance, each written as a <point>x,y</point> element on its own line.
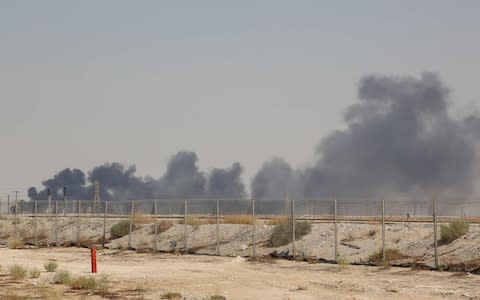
<point>74,179</point>
<point>182,179</point>
<point>227,182</point>
<point>274,180</point>
<point>399,139</point>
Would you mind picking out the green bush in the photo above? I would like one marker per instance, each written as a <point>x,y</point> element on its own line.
<point>18,272</point>
<point>50,266</point>
<point>453,230</point>
<point>120,229</point>
<point>282,232</point>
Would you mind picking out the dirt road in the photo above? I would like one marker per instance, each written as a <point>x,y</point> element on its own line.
<point>137,275</point>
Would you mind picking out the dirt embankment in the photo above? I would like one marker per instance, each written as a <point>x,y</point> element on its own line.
<point>357,241</point>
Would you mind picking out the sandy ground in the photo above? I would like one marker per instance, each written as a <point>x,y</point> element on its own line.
<point>148,276</point>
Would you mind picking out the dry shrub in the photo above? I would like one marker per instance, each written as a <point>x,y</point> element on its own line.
<point>193,220</point>
<point>171,295</point>
<point>50,266</point>
<point>453,230</point>
<point>139,218</point>
<point>217,297</point>
<point>371,233</point>
<point>164,225</point>
<point>390,255</point>
<point>42,234</point>
<point>62,277</point>
<point>238,219</point>
<point>278,220</point>
<point>34,273</point>
<point>98,285</point>
<point>121,228</point>
<point>18,272</point>
<point>342,261</point>
<point>282,233</point>
<point>15,244</point>
<point>49,292</point>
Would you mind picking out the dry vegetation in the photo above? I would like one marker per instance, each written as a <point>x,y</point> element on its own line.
<point>50,266</point>
<point>282,232</point>
<point>238,219</point>
<point>194,221</point>
<point>390,255</point>
<point>453,230</point>
<point>121,228</point>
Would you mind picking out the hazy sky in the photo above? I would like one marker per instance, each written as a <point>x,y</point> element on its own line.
<point>88,82</point>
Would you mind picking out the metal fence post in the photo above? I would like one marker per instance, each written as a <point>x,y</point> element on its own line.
<point>8,207</point>
<point>435,238</point>
<point>56,222</point>
<point>384,258</point>
<point>335,229</point>
<point>293,228</point>
<point>218,229</point>
<point>155,226</point>
<point>16,216</point>
<point>79,222</point>
<point>254,250</point>
<point>35,226</point>
<point>105,224</point>
<point>185,227</point>
<point>131,228</point>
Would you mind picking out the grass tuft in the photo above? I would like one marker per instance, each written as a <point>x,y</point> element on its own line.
<point>99,285</point>
<point>34,273</point>
<point>18,272</point>
<point>171,295</point>
<point>50,266</point>
<point>217,297</point>
<point>238,219</point>
<point>278,220</point>
<point>140,218</point>
<point>193,220</point>
<point>62,277</point>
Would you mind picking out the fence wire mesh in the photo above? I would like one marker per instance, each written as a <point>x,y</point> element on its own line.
<point>328,229</point>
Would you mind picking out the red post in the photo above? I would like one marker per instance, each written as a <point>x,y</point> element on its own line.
<point>93,255</point>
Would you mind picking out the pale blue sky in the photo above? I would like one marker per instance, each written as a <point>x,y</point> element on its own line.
<point>86,82</point>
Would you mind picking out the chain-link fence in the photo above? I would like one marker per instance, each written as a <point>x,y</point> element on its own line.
<point>353,230</point>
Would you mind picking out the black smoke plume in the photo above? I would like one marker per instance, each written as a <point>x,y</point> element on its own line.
<point>399,138</point>
<point>227,182</point>
<point>182,179</point>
